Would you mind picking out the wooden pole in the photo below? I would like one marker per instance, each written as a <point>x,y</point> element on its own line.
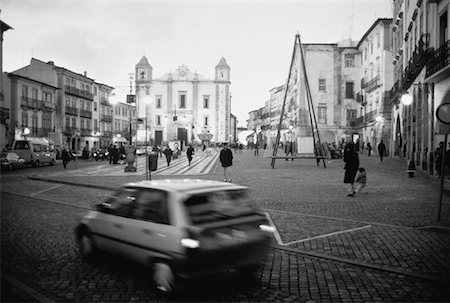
<point>277,141</point>
<point>312,114</point>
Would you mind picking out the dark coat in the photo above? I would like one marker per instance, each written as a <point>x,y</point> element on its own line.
<point>226,157</point>
<point>190,152</point>
<point>351,160</point>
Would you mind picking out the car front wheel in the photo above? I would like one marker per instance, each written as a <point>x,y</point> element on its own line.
<point>163,277</point>
<point>88,249</point>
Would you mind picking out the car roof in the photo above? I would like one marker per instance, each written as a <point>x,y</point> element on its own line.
<point>185,185</point>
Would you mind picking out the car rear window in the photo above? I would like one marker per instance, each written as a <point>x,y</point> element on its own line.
<point>21,145</point>
<point>219,205</point>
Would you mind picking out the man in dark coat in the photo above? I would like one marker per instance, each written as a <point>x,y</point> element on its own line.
<point>168,153</point>
<point>381,150</point>
<point>351,160</point>
<point>226,158</point>
<point>65,157</point>
<point>190,153</point>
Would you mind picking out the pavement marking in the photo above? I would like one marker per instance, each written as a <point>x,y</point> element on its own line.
<point>339,219</point>
<point>328,235</point>
<point>276,233</point>
<point>44,190</point>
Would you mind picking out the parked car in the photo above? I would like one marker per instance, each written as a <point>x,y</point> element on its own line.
<point>181,229</point>
<point>35,151</point>
<point>11,160</point>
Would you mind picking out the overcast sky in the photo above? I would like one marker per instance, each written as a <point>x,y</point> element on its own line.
<point>107,38</point>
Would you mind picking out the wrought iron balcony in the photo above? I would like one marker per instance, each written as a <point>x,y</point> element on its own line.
<point>79,93</point>
<point>85,113</point>
<point>71,110</point>
<point>373,84</point>
<point>106,118</point>
<point>32,103</point>
<point>439,59</point>
<point>416,63</point>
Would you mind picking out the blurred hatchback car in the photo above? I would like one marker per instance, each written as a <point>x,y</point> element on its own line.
<point>11,160</point>
<point>181,229</point>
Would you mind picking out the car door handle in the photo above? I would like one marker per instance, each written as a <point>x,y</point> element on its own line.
<point>117,225</point>
<point>147,232</point>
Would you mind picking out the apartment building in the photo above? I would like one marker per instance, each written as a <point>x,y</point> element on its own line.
<point>422,72</point>
<point>374,118</point>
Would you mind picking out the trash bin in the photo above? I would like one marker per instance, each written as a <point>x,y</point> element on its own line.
<point>153,161</point>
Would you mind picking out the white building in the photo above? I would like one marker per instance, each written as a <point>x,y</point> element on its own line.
<point>182,104</point>
<point>374,117</point>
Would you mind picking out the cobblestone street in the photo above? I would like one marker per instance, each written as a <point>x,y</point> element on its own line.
<point>385,245</point>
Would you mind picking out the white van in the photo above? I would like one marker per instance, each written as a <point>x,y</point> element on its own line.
<point>35,151</point>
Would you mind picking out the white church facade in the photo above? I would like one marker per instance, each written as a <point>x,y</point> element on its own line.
<point>182,105</point>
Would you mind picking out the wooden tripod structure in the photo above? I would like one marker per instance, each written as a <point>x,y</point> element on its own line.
<point>298,54</point>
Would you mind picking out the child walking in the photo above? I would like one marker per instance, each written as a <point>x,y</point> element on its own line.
<point>361,180</point>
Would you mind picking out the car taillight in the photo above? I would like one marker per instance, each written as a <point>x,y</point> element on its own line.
<point>267,228</point>
<point>190,243</point>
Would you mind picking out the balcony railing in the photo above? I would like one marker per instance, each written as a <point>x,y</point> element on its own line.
<point>372,84</point>
<point>106,118</point>
<point>104,101</point>
<point>71,110</point>
<point>86,132</point>
<point>367,118</point>
<point>85,113</point>
<point>419,58</point>
<point>439,59</point>
<point>79,93</point>
<point>32,103</point>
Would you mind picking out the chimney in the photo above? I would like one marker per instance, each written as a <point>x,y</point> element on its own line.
<point>85,73</point>
<point>51,62</point>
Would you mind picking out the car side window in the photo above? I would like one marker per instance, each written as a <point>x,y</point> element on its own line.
<point>151,205</point>
<point>121,203</point>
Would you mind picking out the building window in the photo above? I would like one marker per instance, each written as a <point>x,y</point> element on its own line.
<point>158,101</point>
<point>74,122</point>
<point>351,114</point>
<point>25,118</point>
<point>322,85</point>
<point>206,121</point>
<point>67,122</point>
<point>158,120</point>
<point>349,60</point>
<point>205,101</point>
<point>46,120</point>
<point>349,92</point>
<point>34,93</point>
<point>182,99</point>
<point>378,40</point>
<point>24,91</point>
<point>95,90</point>
<point>322,114</point>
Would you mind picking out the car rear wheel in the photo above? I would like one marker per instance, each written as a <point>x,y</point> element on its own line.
<point>163,277</point>
<point>52,162</point>
<point>88,250</point>
<point>11,167</point>
<point>36,164</point>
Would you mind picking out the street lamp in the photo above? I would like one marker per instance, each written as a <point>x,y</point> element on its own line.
<point>406,99</point>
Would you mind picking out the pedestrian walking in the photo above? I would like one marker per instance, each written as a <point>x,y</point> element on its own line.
<point>226,159</point>
<point>361,180</point>
<point>111,154</point>
<point>257,149</point>
<point>168,153</point>
<point>65,157</point>
<point>369,149</point>
<point>381,150</point>
<point>351,160</point>
<point>189,154</point>
<point>289,149</point>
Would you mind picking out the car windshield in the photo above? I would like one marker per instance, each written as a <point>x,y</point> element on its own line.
<point>219,205</point>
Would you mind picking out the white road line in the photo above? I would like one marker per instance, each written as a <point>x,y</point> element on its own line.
<point>44,190</point>
<point>276,234</point>
<point>328,235</point>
